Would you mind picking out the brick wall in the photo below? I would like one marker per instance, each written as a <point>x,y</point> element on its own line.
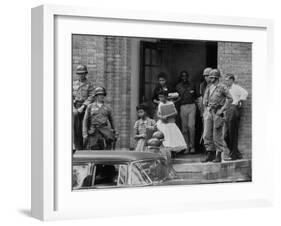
<point>108,62</point>
<point>236,58</point>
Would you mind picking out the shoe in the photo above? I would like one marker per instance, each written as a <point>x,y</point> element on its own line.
<point>218,157</point>
<point>239,156</point>
<point>228,159</point>
<point>192,151</point>
<point>232,158</point>
<point>209,157</point>
<point>173,155</point>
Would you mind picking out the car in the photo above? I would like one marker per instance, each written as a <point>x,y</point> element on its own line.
<point>116,169</point>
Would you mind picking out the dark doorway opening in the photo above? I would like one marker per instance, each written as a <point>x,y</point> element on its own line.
<point>172,57</point>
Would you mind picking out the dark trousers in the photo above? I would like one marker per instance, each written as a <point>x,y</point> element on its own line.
<point>101,139</point>
<point>231,131</point>
<point>77,129</point>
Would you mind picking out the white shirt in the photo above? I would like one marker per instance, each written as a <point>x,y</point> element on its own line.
<point>238,93</point>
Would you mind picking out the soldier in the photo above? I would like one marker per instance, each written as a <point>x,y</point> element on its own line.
<point>200,120</point>
<point>203,86</point>
<point>97,133</point>
<point>82,92</point>
<point>217,99</point>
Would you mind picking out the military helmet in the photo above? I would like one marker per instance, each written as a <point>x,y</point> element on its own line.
<point>215,73</point>
<point>81,69</point>
<point>154,142</point>
<point>207,71</point>
<point>158,134</point>
<point>100,90</point>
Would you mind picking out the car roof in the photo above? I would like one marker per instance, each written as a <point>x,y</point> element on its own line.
<point>114,156</point>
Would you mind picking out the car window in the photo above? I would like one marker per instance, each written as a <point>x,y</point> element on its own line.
<point>123,175</point>
<point>80,173</point>
<point>138,176</point>
<point>105,175</point>
<point>156,170</point>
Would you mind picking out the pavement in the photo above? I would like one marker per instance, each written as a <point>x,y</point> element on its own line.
<point>190,168</point>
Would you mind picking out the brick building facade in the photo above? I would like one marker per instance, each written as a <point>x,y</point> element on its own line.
<point>113,62</point>
<point>236,58</point>
<point>108,62</point>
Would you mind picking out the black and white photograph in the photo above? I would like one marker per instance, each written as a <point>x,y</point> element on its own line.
<point>154,112</point>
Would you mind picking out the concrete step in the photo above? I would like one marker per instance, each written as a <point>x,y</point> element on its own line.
<point>188,158</point>
<point>239,170</point>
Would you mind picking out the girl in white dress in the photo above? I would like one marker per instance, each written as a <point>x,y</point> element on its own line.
<point>166,113</point>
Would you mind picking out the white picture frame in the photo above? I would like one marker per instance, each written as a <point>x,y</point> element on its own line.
<point>52,198</point>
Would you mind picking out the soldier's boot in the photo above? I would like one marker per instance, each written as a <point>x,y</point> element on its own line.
<point>218,157</point>
<point>209,157</point>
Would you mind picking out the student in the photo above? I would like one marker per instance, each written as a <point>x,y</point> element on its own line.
<point>166,113</point>
<point>162,85</point>
<point>188,96</point>
<point>143,128</point>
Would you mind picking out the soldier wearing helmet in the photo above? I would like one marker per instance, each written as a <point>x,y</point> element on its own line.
<point>203,86</point>
<point>82,93</point>
<point>82,89</point>
<point>217,99</point>
<point>206,82</point>
<point>199,126</point>
<point>98,125</point>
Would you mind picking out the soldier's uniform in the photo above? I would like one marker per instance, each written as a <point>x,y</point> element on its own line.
<point>82,94</point>
<point>214,99</point>
<point>98,126</point>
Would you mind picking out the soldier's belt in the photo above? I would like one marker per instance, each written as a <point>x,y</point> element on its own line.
<point>214,108</point>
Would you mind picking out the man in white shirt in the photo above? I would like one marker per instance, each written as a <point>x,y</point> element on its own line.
<point>233,114</point>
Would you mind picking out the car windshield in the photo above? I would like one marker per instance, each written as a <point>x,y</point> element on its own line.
<point>155,170</point>
<point>139,176</point>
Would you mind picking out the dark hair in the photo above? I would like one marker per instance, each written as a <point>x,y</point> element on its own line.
<point>231,76</point>
<point>184,72</point>
<point>163,92</point>
<point>142,107</point>
<point>162,75</point>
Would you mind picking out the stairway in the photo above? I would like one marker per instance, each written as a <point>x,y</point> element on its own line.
<point>191,169</point>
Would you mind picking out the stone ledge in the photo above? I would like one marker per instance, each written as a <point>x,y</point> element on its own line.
<point>239,170</point>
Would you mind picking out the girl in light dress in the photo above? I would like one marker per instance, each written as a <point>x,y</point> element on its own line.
<point>144,128</point>
<point>173,137</point>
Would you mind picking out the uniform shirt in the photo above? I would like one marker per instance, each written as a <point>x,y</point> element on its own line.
<point>203,86</point>
<point>141,125</point>
<point>187,93</point>
<point>216,95</point>
<point>83,92</point>
<point>96,116</point>
<point>238,93</point>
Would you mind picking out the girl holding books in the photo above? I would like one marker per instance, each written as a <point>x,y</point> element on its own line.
<point>144,128</point>
<point>166,113</point>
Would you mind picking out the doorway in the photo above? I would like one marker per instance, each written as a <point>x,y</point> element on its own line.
<point>172,57</point>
